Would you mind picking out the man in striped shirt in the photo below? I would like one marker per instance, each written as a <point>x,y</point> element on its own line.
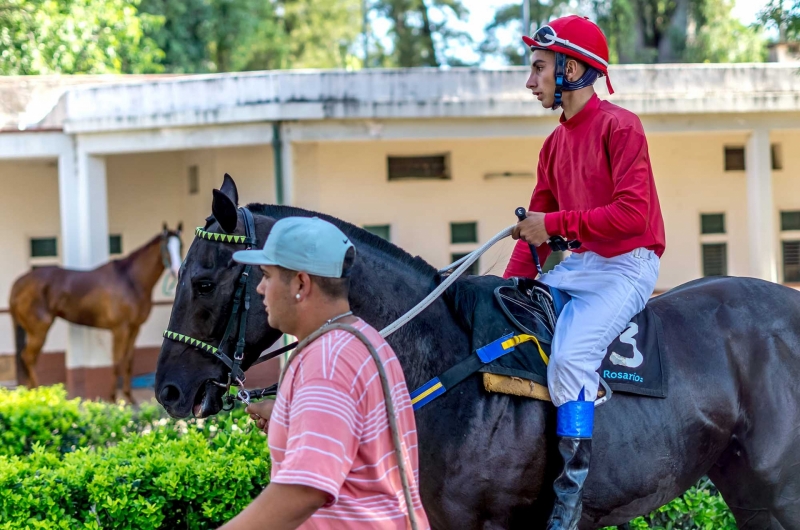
<point>333,461</point>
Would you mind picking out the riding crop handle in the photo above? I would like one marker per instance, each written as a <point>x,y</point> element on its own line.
<point>522,215</point>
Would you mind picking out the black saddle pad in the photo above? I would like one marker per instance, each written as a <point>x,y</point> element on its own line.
<point>633,363</point>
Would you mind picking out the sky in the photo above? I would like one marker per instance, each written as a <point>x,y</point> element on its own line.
<point>482,11</point>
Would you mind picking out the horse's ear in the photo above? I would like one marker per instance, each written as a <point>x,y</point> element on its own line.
<point>165,227</point>
<point>225,212</point>
<point>229,188</point>
<point>180,227</point>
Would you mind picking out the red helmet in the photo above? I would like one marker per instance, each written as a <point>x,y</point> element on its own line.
<point>577,37</point>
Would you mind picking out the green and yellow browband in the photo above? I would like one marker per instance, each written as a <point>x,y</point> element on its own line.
<point>223,238</point>
<point>177,337</point>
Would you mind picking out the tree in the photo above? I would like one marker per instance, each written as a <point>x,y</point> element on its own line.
<point>509,17</point>
<point>418,39</point>
<point>76,36</point>
<point>321,33</point>
<point>236,35</point>
<point>718,37</point>
<point>785,18</point>
<point>658,31</point>
<point>644,31</point>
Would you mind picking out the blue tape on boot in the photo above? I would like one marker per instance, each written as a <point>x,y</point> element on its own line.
<point>575,419</point>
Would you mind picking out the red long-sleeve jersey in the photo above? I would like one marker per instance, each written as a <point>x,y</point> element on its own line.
<point>595,183</point>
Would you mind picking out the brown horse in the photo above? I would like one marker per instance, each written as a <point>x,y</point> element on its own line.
<point>115,296</point>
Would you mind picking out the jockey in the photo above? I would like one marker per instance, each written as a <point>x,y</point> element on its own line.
<point>594,185</point>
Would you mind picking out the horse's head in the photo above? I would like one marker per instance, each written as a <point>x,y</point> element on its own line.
<point>191,376</point>
<point>172,249</point>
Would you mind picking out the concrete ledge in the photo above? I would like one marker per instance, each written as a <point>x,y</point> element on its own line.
<point>415,93</point>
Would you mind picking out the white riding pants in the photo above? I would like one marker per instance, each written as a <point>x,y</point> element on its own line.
<point>606,294</point>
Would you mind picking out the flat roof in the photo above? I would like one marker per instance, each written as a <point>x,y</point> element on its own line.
<point>112,103</point>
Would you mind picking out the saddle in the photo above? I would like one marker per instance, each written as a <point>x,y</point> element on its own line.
<point>511,325</point>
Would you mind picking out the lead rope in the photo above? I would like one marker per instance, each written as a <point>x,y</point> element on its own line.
<point>387,398</point>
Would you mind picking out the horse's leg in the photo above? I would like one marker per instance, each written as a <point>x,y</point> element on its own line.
<point>127,364</point>
<point>757,478</point>
<point>121,340</point>
<point>34,342</point>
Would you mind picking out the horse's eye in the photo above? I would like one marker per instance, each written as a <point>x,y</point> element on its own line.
<point>204,287</point>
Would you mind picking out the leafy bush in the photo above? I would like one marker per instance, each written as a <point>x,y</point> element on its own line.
<point>700,508</point>
<point>77,464</point>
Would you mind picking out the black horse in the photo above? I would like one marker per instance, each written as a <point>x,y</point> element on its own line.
<point>733,411</point>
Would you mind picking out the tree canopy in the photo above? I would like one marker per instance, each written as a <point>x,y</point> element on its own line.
<point>76,36</point>
<point>198,36</point>
<point>644,31</point>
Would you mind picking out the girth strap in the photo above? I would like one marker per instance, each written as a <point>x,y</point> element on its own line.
<point>465,368</point>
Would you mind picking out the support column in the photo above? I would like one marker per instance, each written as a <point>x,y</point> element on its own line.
<point>287,159</point>
<point>760,207</point>
<point>84,236</point>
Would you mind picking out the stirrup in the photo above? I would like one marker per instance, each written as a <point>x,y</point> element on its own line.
<point>607,396</point>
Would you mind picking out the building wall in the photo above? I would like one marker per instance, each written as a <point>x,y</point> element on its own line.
<point>691,180</point>
<point>786,184</point>
<point>29,203</point>
<point>349,180</point>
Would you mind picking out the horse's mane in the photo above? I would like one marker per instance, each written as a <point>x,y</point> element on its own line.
<point>126,261</point>
<point>355,232</point>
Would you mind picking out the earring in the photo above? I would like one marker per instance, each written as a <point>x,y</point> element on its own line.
<point>297,296</point>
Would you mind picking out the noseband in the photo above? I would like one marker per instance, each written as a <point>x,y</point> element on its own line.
<point>241,306</point>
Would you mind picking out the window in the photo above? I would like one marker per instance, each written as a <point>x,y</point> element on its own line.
<point>384,231</point>
<point>473,269</point>
<point>115,244</point>
<point>418,167</point>
<point>44,247</point>
<point>791,261</point>
<point>777,157</point>
<point>734,159</point>
<point>712,223</point>
<point>715,259</point>
<point>194,180</point>
<point>463,233</point>
<point>790,220</point>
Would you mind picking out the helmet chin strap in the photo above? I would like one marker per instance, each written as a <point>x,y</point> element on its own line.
<point>561,66</point>
<point>587,79</point>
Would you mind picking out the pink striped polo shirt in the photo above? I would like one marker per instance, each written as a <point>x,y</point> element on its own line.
<point>329,430</point>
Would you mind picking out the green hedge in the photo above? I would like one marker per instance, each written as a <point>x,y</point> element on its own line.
<point>699,508</point>
<point>80,464</point>
<point>77,464</point>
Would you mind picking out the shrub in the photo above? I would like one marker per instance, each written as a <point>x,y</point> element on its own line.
<point>700,508</point>
<point>77,464</point>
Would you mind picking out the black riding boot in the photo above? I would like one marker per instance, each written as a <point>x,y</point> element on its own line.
<point>575,422</point>
<point>568,487</point>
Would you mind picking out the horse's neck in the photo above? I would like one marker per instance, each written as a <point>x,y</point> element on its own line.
<point>145,265</point>
<point>429,343</point>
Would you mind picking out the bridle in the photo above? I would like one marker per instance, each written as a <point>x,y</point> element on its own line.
<point>241,308</point>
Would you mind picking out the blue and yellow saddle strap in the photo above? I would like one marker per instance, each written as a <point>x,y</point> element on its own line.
<point>482,356</point>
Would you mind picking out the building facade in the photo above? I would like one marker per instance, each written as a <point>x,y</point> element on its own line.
<point>434,160</point>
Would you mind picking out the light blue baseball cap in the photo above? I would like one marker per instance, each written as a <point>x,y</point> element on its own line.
<point>303,244</point>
